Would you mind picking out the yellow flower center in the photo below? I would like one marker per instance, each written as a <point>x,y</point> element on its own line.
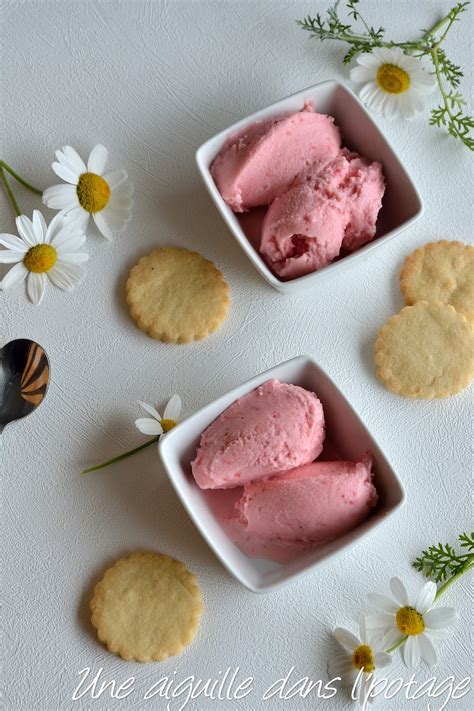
<point>40,258</point>
<point>392,79</point>
<point>93,192</point>
<point>363,658</point>
<point>410,621</point>
<point>167,425</point>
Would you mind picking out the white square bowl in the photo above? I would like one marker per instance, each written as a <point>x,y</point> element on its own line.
<point>178,449</point>
<point>401,203</point>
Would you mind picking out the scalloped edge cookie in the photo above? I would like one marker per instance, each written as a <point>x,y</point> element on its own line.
<point>147,607</point>
<point>425,351</point>
<point>440,271</point>
<point>177,296</point>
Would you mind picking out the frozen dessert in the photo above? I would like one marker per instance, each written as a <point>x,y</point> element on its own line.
<point>262,162</point>
<point>306,227</point>
<point>323,200</point>
<point>313,503</point>
<point>302,231</point>
<point>271,429</point>
<point>257,464</point>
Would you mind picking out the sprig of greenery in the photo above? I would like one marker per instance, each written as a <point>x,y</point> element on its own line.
<point>450,112</point>
<point>441,562</point>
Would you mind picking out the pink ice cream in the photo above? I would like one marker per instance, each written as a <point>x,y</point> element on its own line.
<point>263,161</point>
<point>314,503</point>
<point>271,429</point>
<point>325,211</point>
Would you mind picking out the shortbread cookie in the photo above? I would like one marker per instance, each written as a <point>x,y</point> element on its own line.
<point>177,296</point>
<point>147,607</point>
<point>426,351</point>
<point>441,271</point>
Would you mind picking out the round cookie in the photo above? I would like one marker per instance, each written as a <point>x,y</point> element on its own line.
<point>425,351</point>
<point>177,296</point>
<point>147,607</point>
<point>441,271</point>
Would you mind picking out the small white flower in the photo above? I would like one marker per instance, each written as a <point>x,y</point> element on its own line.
<point>359,661</point>
<point>157,425</point>
<point>106,196</point>
<point>41,253</point>
<point>394,82</point>
<point>417,621</point>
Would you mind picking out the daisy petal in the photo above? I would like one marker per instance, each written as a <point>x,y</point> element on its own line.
<point>66,276</point>
<point>425,597</point>
<point>383,602</point>
<point>97,159</point>
<point>55,227</point>
<point>149,426</point>
<point>68,239</point>
<point>382,659</point>
<point>115,177</point>
<point>386,55</point>
<point>411,652</point>
<point>26,231</point>
<point>35,286</point>
<point>151,410</point>
<point>346,639</point>
<point>60,197</point>
<point>39,226</point>
<point>14,276</point>
<point>67,174</point>
<point>116,218</point>
<point>427,651</point>
<point>73,257</point>
<point>368,60</point>
<point>79,216</point>
<point>13,242</point>
<point>102,225</point>
<point>399,591</point>
<point>359,74</point>
<point>406,107</point>
<point>440,617</point>
<point>11,256</point>
<point>368,92</point>
<point>74,159</point>
<point>380,621</point>
<point>341,665</point>
<point>391,637</point>
<point>173,408</point>
<point>439,634</point>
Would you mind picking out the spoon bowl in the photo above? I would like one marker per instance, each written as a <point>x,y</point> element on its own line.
<point>24,379</point>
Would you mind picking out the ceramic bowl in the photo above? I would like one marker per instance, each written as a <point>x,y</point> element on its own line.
<point>401,203</point>
<point>348,432</point>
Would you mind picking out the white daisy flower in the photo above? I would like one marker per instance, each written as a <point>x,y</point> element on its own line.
<point>358,663</point>
<point>394,82</point>
<point>417,621</point>
<point>157,425</point>
<point>106,196</point>
<point>41,253</point>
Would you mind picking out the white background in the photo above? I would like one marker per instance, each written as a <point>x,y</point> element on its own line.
<point>152,80</point>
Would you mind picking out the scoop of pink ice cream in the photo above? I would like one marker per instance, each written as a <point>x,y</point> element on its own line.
<point>364,187</point>
<point>262,162</point>
<point>272,429</point>
<point>313,503</point>
<point>325,211</point>
<point>302,231</point>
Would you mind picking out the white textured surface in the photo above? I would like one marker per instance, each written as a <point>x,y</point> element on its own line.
<point>153,80</point>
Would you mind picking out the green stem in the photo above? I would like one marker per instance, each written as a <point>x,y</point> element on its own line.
<point>434,58</point>
<point>121,456</point>
<point>17,177</point>
<point>9,191</point>
<point>446,585</point>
